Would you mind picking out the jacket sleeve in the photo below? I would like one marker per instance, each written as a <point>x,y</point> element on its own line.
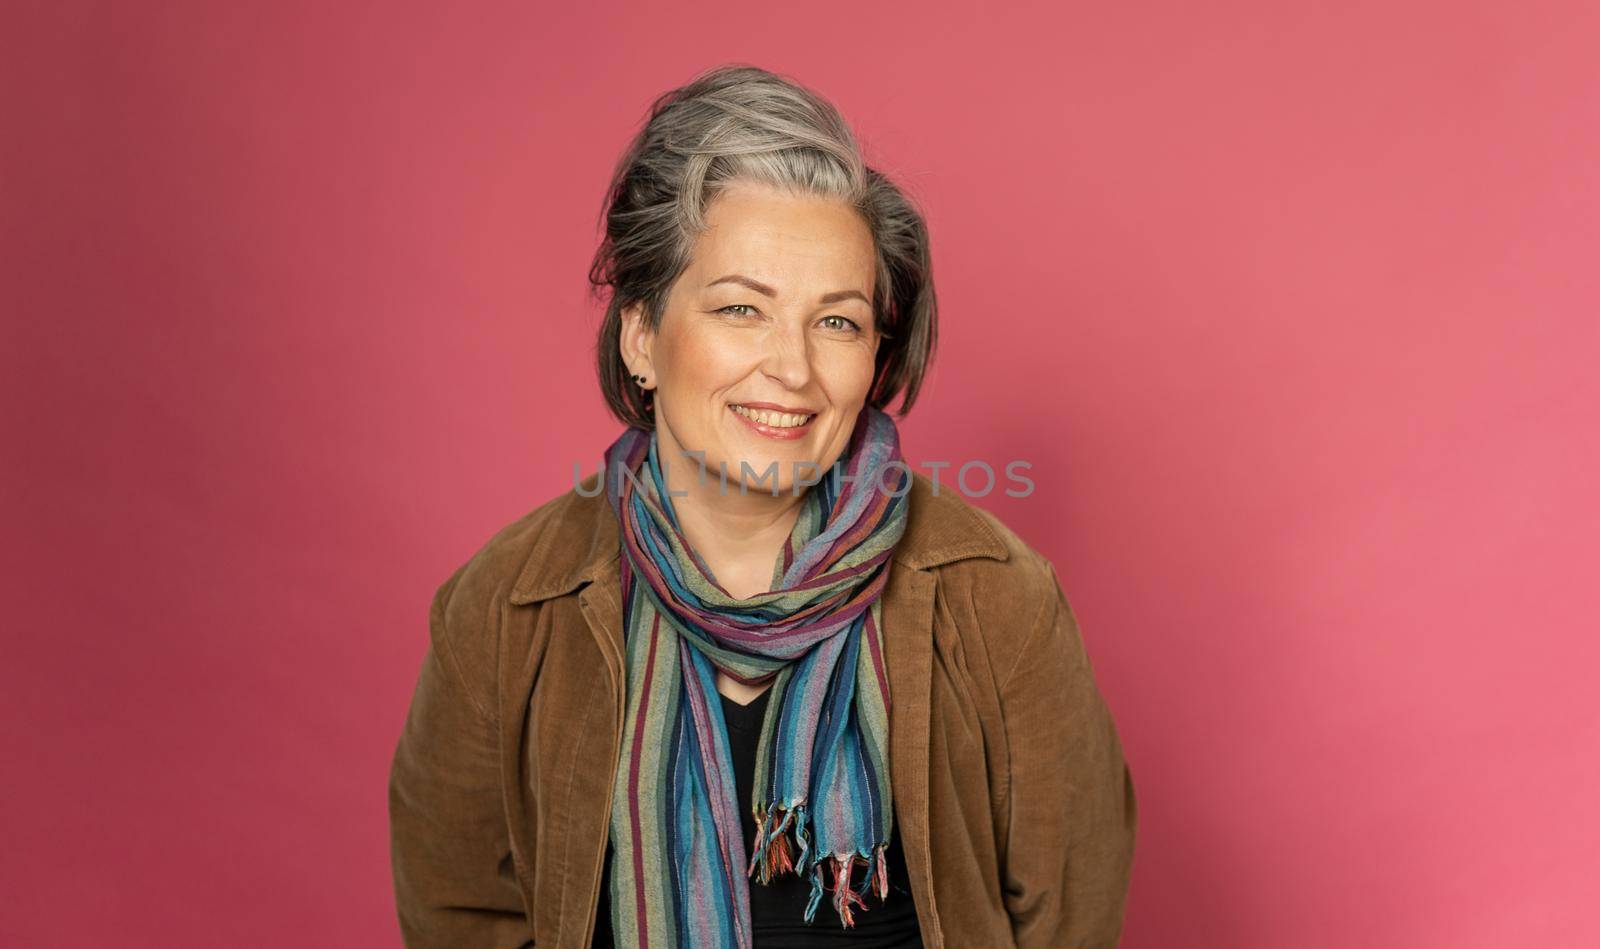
<point>454,879</point>
<point>1070,835</point>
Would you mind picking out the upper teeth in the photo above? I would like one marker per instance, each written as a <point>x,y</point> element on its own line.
<point>774,419</point>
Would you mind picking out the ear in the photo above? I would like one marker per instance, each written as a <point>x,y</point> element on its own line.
<point>636,341</point>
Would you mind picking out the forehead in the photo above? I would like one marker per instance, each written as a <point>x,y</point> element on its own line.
<point>780,238</point>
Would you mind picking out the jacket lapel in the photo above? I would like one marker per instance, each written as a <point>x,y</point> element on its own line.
<point>601,602</point>
<point>908,652</point>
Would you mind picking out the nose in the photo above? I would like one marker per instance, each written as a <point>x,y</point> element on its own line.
<point>787,359</point>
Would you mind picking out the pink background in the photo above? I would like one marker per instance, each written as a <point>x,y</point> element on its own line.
<point>1293,310</point>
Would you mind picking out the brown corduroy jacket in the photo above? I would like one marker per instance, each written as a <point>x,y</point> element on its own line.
<point>1011,794</point>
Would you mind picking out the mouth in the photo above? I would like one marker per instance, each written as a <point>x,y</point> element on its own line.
<point>774,421</point>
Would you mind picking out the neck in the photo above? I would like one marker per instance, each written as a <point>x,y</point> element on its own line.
<point>738,533</point>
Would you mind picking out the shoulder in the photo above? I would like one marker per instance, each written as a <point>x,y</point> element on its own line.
<point>501,560</point>
<point>537,549</point>
<point>948,532</point>
<point>991,579</point>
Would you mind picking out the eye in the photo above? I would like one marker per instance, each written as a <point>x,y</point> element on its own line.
<point>737,306</point>
<point>843,324</point>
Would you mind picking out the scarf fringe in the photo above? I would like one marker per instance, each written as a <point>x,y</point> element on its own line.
<point>771,854</point>
<point>771,858</point>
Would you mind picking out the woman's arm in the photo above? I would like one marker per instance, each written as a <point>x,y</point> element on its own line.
<point>1070,839</point>
<point>453,877</point>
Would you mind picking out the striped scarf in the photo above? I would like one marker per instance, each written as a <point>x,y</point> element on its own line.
<point>822,799</point>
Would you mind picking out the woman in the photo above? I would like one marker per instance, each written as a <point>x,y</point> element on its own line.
<point>757,683</point>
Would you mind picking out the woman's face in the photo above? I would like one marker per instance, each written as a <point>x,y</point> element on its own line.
<point>766,350</point>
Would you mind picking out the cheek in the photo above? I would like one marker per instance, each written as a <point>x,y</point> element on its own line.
<point>703,361</point>
<point>847,373</point>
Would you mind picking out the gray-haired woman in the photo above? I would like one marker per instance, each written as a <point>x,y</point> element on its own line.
<point>758,663</point>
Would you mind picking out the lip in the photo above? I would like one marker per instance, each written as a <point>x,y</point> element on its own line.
<point>775,407</point>
<point>778,434</point>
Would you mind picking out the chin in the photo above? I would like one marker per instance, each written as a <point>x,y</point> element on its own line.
<point>760,459</point>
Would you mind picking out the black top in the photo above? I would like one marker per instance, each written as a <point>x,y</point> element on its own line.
<point>777,909</point>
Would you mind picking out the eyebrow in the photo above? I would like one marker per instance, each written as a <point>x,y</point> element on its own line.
<point>765,290</point>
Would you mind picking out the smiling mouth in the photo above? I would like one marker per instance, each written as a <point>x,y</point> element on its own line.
<point>772,419</point>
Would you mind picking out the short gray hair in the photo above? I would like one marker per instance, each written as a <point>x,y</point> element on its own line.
<point>738,122</point>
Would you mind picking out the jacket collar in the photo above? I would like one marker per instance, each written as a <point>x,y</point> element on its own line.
<point>580,542</point>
